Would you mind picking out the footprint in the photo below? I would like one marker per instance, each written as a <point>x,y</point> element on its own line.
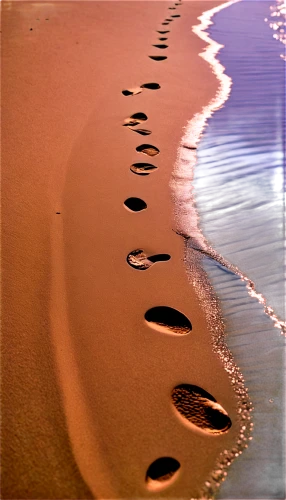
<point>161,46</point>
<point>151,86</point>
<point>169,20</point>
<point>134,91</point>
<point>176,15</point>
<point>168,320</point>
<point>162,39</point>
<point>135,204</point>
<point>200,408</point>
<point>158,58</point>
<point>165,24</point>
<point>142,168</point>
<point>148,149</point>
<point>135,119</point>
<point>138,90</point>
<point>139,260</point>
<point>162,472</point>
<point>163,32</point>
<point>172,8</point>
<point>142,131</point>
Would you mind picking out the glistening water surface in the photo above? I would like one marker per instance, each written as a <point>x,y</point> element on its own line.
<point>239,193</point>
<point>230,205</point>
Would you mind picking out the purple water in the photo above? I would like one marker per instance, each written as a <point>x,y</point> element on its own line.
<point>240,199</point>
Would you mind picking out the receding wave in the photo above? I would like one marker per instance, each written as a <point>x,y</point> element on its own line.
<point>243,324</point>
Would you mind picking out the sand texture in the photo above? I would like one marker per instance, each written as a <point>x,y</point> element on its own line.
<point>88,368</point>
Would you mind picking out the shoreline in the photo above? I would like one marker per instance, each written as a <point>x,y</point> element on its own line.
<point>91,235</point>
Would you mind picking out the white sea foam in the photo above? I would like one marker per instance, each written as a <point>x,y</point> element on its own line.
<point>188,224</point>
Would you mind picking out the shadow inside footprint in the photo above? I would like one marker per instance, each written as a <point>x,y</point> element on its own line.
<point>162,39</point>
<point>135,204</point>
<point>172,8</point>
<point>151,86</point>
<point>169,20</point>
<point>142,168</point>
<point>148,149</point>
<point>138,90</point>
<point>139,260</point>
<point>176,15</point>
<point>134,91</point>
<point>200,408</point>
<point>142,131</point>
<point>160,46</point>
<point>161,472</point>
<point>164,23</point>
<point>158,58</point>
<point>168,320</point>
<point>163,32</point>
<point>135,119</point>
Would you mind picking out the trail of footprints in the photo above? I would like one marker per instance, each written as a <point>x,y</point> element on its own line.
<point>191,402</point>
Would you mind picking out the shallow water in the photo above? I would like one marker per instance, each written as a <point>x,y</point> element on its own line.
<point>229,202</point>
<point>239,193</point>
<point>239,174</point>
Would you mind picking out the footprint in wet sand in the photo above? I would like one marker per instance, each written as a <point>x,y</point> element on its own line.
<point>168,320</point>
<point>163,32</point>
<point>138,90</point>
<point>151,86</point>
<point>162,39</point>
<point>165,24</point>
<point>141,131</point>
<point>135,204</point>
<point>139,260</point>
<point>160,46</point>
<point>158,58</point>
<point>148,149</point>
<point>142,168</point>
<point>200,408</point>
<point>169,20</point>
<point>133,91</point>
<point>135,119</point>
<point>172,8</point>
<point>176,15</point>
<point>162,472</point>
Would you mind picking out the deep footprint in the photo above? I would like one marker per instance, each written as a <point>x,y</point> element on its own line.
<point>151,86</point>
<point>141,131</point>
<point>165,24</point>
<point>138,90</point>
<point>158,58</point>
<point>176,15</point>
<point>168,320</point>
<point>163,32</point>
<point>200,408</point>
<point>135,204</point>
<point>139,260</point>
<point>135,119</point>
<point>134,91</point>
<point>160,46</point>
<point>142,168</point>
<point>148,149</point>
<point>162,39</point>
<point>161,472</point>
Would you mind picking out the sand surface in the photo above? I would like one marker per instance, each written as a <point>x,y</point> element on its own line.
<point>86,382</point>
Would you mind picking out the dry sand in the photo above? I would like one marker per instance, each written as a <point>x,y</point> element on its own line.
<point>87,383</point>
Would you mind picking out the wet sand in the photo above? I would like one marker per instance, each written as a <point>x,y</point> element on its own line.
<point>87,382</point>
